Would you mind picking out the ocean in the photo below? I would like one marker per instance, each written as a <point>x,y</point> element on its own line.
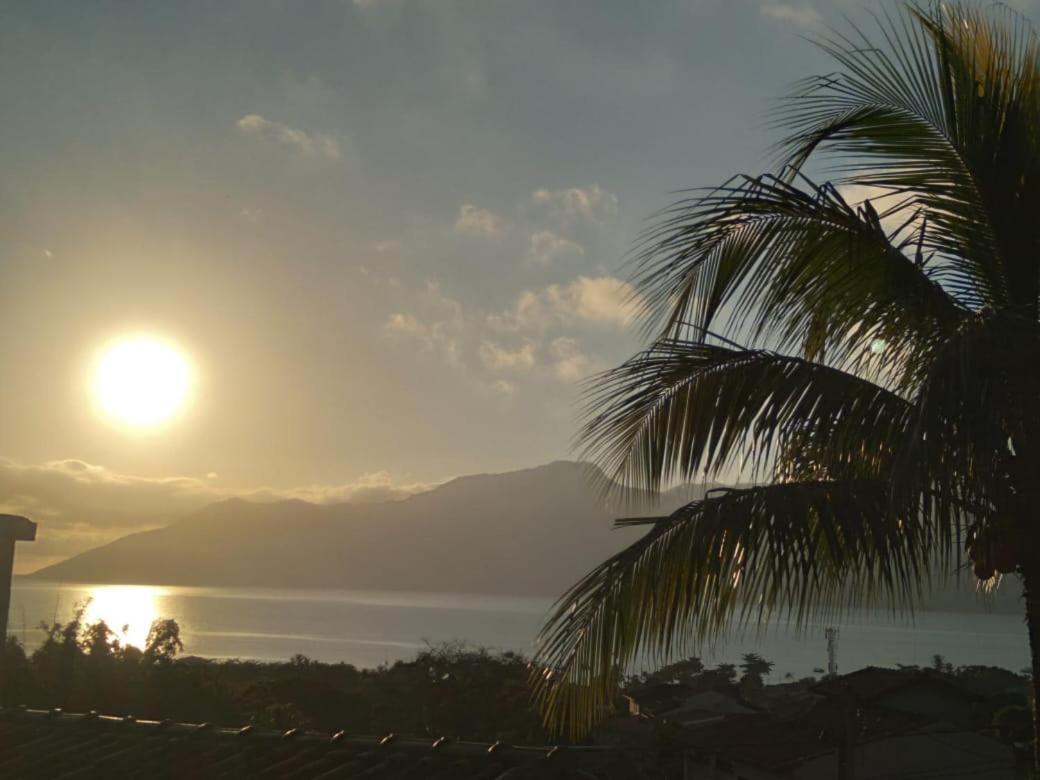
<point>368,628</point>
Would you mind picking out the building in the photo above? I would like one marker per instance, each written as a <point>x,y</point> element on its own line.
<point>52,744</point>
<point>826,741</point>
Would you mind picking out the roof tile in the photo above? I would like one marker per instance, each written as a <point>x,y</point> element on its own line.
<point>53,744</point>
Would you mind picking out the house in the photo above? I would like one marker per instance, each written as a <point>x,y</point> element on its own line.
<point>932,695</point>
<point>650,701</point>
<point>706,706</point>
<point>816,743</point>
<point>683,704</point>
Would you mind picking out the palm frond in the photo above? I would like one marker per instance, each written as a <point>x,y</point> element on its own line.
<point>795,264</point>
<point>765,299</point>
<point>786,551</point>
<point>945,112</point>
<point>682,408</point>
<point>974,412</point>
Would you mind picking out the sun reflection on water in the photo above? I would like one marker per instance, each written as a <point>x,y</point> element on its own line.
<point>127,609</point>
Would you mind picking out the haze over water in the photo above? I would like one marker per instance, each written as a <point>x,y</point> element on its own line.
<point>367,628</point>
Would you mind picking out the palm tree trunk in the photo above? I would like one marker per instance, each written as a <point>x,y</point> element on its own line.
<point>1031,592</point>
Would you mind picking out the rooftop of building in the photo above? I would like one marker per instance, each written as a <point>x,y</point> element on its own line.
<point>54,744</point>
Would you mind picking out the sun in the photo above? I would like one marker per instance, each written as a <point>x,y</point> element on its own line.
<point>141,382</point>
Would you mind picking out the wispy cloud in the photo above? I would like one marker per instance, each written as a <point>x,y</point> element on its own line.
<point>538,338</point>
<point>80,504</point>
<point>566,205</point>
<point>438,337</point>
<point>800,15</point>
<point>315,145</point>
<point>600,300</point>
<point>497,358</point>
<point>387,246</point>
<point>569,362</point>
<point>504,388</point>
<point>437,330</point>
<point>475,221</point>
<point>545,247</point>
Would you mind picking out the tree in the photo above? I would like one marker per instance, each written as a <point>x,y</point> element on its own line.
<point>163,642</point>
<point>864,348</point>
<point>754,667</point>
<point>684,671</point>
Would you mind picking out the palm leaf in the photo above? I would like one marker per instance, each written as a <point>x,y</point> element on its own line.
<point>763,299</point>
<point>974,412</point>
<point>763,259</point>
<point>682,408</point>
<point>786,551</point>
<point>945,113</point>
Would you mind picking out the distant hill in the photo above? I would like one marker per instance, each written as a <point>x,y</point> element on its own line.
<point>524,532</point>
<point>529,532</point>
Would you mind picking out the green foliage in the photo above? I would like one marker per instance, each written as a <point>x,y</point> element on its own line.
<point>684,671</point>
<point>87,666</point>
<point>755,667</point>
<point>163,642</point>
<point>449,689</point>
<point>868,363</point>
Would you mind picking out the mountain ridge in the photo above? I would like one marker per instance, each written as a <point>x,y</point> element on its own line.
<point>440,539</point>
<point>532,531</point>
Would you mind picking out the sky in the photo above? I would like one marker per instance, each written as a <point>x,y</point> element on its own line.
<point>388,234</point>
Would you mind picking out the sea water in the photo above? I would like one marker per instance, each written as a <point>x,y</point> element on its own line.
<point>368,628</point>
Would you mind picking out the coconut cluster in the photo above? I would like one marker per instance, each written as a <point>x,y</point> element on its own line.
<point>993,550</point>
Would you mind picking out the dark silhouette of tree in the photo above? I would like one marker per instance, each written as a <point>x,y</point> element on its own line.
<point>163,642</point>
<point>940,664</point>
<point>449,689</point>
<point>867,348</point>
<point>754,668</point>
<point>726,671</point>
<point>683,671</point>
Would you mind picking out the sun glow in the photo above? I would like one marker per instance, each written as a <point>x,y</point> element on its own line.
<point>141,382</point>
<point>127,610</point>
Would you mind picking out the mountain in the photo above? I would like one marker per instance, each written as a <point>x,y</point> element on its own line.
<point>524,532</point>
<point>529,532</point>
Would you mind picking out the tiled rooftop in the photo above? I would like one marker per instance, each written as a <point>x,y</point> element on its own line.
<point>52,744</point>
<point>873,682</point>
<point>779,743</point>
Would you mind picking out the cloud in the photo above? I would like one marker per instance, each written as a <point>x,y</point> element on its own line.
<point>80,505</point>
<point>799,15</point>
<point>432,337</point>
<point>902,222</point>
<point>591,203</point>
<point>534,340</point>
<point>474,221</point>
<point>387,246</point>
<point>438,331</point>
<point>601,300</point>
<point>310,145</point>
<point>545,247</point>
<point>370,488</point>
<point>503,388</point>
<point>496,358</point>
<point>569,362</point>
<point>406,325</point>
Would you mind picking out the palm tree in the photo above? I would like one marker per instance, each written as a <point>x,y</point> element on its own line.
<point>873,363</point>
